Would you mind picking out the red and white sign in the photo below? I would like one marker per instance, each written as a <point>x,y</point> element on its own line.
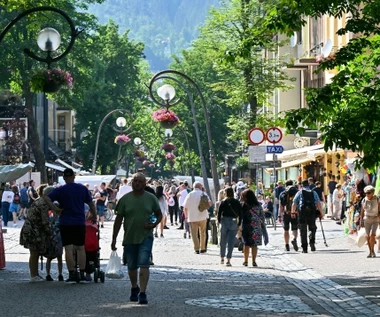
<point>256,136</point>
<point>274,135</point>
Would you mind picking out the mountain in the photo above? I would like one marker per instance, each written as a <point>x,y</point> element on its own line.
<point>164,26</point>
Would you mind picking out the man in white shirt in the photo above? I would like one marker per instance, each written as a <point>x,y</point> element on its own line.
<point>181,196</point>
<point>123,189</point>
<point>197,219</point>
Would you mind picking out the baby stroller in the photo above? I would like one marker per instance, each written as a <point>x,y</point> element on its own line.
<point>93,251</point>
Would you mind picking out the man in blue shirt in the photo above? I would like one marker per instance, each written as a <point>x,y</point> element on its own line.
<point>72,198</point>
<point>307,204</point>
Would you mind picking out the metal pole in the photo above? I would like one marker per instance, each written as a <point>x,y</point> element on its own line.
<point>98,136</point>
<point>46,126</point>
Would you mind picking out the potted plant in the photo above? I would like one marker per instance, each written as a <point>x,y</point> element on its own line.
<point>167,118</point>
<point>50,80</point>
<point>122,139</point>
<point>168,147</point>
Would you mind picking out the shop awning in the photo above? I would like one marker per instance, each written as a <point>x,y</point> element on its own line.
<point>12,172</point>
<point>288,164</point>
<point>294,154</point>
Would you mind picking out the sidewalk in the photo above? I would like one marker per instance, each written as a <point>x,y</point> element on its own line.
<point>324,283</point>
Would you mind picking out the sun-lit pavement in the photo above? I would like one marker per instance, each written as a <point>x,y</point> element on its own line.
<point>337,280</point>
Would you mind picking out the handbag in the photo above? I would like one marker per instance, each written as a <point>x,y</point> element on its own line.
<point>236,215</point>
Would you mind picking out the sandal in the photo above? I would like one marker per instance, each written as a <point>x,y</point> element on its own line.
<point>228,264</point>
<point>254,264</point>
<point>245,263</point>
<point>222,261</point>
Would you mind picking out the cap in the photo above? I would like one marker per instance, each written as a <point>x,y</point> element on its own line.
<point>68,172</point>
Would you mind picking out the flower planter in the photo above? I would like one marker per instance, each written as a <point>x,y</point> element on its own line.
<point>168,124</point>
<point>51,87</point>
<point>120,142</point>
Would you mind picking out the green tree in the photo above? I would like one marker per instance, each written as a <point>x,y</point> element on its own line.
<point>113,75</point>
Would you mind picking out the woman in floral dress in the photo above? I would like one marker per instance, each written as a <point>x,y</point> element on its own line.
<point>36,232</point>
<point>252,225</point>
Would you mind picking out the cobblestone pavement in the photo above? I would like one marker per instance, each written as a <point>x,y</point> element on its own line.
<point>186,284</point>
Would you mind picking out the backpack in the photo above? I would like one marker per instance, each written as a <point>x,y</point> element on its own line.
<point>307,203</point>
<point>203,203</point>
<point>286,198</point>
<point>16,198</point>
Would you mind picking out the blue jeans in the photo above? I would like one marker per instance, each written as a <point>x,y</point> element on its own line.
<point>138,255</point>
<point>5,210</point>
<point>228,232</point>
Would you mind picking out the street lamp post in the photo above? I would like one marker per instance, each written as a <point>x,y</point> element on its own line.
<point>98,136</point>
<point>121,123</point>
<point>168,94</point>
<point>169,134</point>
<point>48,40</point>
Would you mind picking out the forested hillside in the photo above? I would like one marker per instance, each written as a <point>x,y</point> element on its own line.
<point>164,26</point>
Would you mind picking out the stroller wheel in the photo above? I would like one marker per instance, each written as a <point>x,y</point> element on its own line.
<point>96,275</point>
<point>101,273</point>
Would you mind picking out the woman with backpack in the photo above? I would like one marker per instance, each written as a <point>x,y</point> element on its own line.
<point>253,224</point>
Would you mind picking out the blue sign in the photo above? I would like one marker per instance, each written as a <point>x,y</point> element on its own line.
<point>275,149</point>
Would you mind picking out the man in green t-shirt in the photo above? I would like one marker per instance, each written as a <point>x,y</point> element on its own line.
<point>141,213</point>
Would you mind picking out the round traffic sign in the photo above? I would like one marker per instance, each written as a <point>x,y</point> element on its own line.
<point>256,136</point>
<point>274,135</point>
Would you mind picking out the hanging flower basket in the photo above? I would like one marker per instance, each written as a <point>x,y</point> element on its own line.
<point>50,80</point>
<point>168,124</point>
<point>168,147</point>
<point>167,118</point>
<point>145,162</point>
<point>170,156</point>
<point>122,139</point>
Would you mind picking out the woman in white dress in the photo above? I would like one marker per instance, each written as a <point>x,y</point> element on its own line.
<point>337,202</point>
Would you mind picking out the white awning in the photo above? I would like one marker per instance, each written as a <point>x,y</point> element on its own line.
<point>294,154</point>
<point>56,167</point>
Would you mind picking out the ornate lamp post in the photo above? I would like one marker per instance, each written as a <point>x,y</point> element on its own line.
<point>98,135</point>
<point>167,93</point>
<point>48,40</point>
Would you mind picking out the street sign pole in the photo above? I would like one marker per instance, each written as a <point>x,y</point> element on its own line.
<point>274,135</point>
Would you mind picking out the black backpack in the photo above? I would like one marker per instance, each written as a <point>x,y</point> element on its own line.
<point>286,198</point>
<point>307,203</point>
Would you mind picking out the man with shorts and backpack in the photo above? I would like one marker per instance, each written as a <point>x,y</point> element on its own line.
<point>286,200</point>
<point>307,205</point>
<point>72,198</point>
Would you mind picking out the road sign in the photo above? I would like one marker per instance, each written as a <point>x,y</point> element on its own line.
<point>275,149</point>
<point>274,135</point>
<point>256,136</point>
<point>257,153</point>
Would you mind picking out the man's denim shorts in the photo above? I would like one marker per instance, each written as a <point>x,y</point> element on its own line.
<point>100,210</point>
<point>138,255</point>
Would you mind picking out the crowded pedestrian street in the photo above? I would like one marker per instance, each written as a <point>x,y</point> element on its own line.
<point>337,280</point>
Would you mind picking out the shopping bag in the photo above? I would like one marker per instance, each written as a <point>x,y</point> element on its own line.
<point>361,238</point>
<point>113,269</point>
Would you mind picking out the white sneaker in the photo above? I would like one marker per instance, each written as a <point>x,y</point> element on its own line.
<point>36,279</point>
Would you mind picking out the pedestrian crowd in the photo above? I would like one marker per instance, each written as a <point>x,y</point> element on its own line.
<point>56,218</point>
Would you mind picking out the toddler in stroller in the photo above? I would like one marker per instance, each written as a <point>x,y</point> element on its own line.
<point>92,252</point>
